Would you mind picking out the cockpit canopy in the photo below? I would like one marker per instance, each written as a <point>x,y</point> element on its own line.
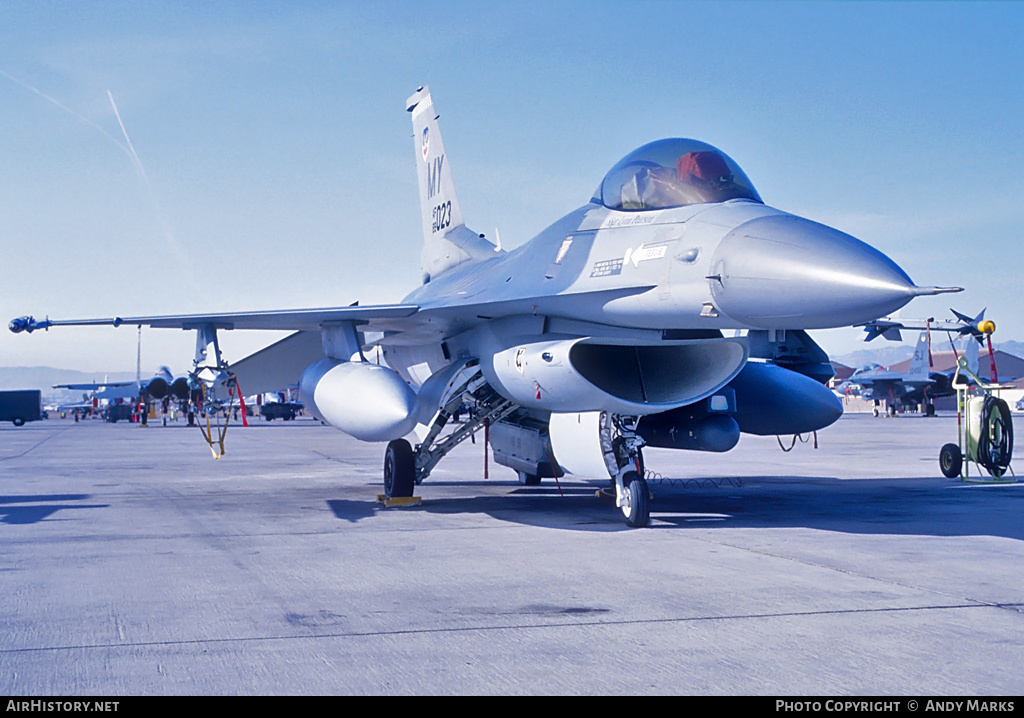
<point>673,173</point>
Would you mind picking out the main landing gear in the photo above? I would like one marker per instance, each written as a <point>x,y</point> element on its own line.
<point>406,467</point>
<point>399,470</point>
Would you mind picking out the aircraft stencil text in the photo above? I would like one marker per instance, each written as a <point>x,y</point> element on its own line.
<point>434,176</point>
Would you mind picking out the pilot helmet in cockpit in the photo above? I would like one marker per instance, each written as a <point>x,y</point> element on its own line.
<point>703,169</point>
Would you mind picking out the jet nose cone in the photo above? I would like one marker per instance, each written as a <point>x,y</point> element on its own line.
<point>785,272</point>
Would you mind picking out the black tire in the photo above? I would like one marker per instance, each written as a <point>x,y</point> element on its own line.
<point>18,421</point>
<point>399,470</point>
<point>950,460</point>
<point>528,479</point>
<point>636,498</point>
<point>929,409</point>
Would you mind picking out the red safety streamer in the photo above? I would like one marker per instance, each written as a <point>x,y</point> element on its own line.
<point>241,401</point>
<point>554,470</point>
<point>992,360</point>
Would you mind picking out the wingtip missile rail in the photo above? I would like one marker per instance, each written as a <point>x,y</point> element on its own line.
<point>27,324</point>
<point>30,324</point>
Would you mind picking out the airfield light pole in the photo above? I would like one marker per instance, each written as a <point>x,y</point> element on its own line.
<point>138,358</point>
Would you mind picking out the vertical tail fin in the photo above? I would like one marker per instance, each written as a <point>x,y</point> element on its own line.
<point>971,353</point>
<point>918,368</point>
<point>446,240</point>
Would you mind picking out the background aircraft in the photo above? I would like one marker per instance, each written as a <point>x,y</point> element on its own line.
<point>163,387</point>
<point>162,384</point>
<point>601,334</point>
<point>919,386</point>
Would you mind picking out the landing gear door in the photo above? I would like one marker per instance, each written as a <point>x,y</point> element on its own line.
<point>576,443</point>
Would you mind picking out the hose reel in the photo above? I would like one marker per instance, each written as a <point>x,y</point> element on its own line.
<point>990,435</point>
<point>984,430</point>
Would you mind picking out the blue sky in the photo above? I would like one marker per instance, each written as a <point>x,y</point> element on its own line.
<point>276,162</point>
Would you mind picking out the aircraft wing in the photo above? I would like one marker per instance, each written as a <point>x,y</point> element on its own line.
<point>93,387</point>
<point>110,390</point>
<point>881,383</point>
<point>71,407</point>
<point>379,317</point>
<point>127,391</point>
<point>288,319</point>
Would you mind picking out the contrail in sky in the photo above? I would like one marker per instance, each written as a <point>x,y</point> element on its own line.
<point>71,112</point>
<point>133,153</point>
<point>128,149</point>
<point>172,241</point>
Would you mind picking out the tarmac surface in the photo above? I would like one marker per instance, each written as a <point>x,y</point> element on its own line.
<point>132,563</point>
